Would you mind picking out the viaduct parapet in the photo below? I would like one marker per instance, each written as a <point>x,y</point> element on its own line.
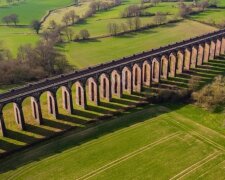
<point>125,75</point>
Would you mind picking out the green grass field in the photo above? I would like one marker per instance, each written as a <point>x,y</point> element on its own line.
<point>210,16</point>
<point>12,38</point>
<point>31,9</point>
<point>156,142</point>
<point>103,50</point>
<point>58,14</point>
<point>97,25</point>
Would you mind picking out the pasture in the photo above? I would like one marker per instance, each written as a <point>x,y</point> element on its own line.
<point>13,37</point>
<point>31,9</point>
<point>154,142</point>
<point>211,16</point>
<point>58,14</point>
<point>106,49</point>
<point>97,25</point>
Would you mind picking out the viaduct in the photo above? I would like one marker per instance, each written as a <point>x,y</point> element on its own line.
<point>128,74</point>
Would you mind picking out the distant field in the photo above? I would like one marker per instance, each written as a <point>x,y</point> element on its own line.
<point>97,25</point>
<point>222,3</point>
<point>103,50</point>
<point>13,37</point>
<point>152,143</point>
<point>58,14</point>
<point>166,7</point>
<point>32,9</point>
<point>210,16</point>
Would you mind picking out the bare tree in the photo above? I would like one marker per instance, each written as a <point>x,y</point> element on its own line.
<point>14,18</point>
<point>113,29</point>
<point>73,16</point>
<point>84,34</point>
<point>36,25</point>
<point>123,27</point>
<point>130,24</point>
<point>159,18</point>
<point>155,2</point>
<point>69,33</point>
<point>66,19</point>
<point>131,11</point>
<point>137,23</point>
<point>184,10</point>
<point>6,20</point>
<point>52,24</point>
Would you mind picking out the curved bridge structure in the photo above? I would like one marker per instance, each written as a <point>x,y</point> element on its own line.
<point>128,74</point>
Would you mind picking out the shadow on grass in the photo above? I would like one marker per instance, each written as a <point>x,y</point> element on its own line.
<point>207,72</point>
<point>99,109</point>
<point>56,125</point>
<point>20,137</point>
<point>68,118</point>
<point>39,130</point>
<point>76,138</point>
<point>7,146</point>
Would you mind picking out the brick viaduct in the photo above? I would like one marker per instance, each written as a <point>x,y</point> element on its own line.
<point>128,74</point>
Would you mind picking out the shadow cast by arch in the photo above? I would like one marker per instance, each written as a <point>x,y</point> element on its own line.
<point>72,119</point>
<point>73,139</point>
<point>7,146</point>
<point>56,125</point>
<point>38,130</point>
<point>20,137</point>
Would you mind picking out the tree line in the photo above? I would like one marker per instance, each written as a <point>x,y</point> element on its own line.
<point>32,63</point>
<point>134,24</point>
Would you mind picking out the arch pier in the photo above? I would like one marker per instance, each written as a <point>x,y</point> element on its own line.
<point>101,82</point>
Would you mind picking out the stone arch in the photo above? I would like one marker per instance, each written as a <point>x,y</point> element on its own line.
<point>222,49</point>
<point>206,52</point>
<point>18,114</point>
<point>164,67</point>
<point>187,59</point>
<point>172,65</point>
<point>67,100</point>
<point>127,80</point>
<point>137,78</point>
<point>35,109</point>
<point>80,94</point>
<point>155,70</point>
<point>52,104</point>
<point>2,122</point>
<point>146,73</point>
<point>116,82</point>
<point>212,50</point>
<point>105,87</point>
<point>200,54</point>
<point>32,114</point>
<point>180,62</point>
<point>194,56</point>
<point>93,91</point>
<point>218,47</point>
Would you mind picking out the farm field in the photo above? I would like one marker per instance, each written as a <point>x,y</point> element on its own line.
<point>210,16</point>
<point>12,38</point>
<point>106,49</point>
<point>58,14</point>
<point>31,9</point>
<point>146,140</point>
<point>97,25</point>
